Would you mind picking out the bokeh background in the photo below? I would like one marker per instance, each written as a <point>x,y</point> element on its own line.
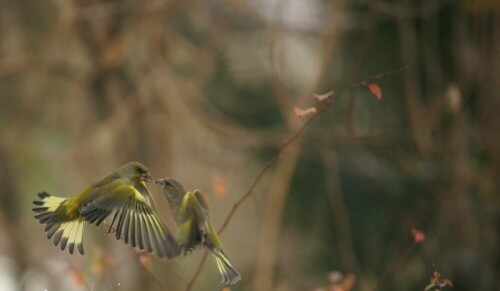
<point>205,90</point>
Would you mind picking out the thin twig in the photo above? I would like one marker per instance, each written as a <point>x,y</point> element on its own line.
<point>327,103</point>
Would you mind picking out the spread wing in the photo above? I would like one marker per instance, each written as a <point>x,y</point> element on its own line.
<point>134,220</point>
<point>141,187</point>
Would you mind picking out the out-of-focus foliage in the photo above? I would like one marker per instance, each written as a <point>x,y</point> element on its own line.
<point>201,90</point>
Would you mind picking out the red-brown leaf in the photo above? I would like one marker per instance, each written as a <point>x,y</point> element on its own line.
<point>78,277</point>
<point>322,97</point>
<point>303,112</point>
<point>418,236</point>
<point>445,282</point>
<point>435,278</point>
<point>220,188</point>
<point>375,89</point>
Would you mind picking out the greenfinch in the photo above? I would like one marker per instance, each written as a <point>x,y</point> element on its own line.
<point>190,211</point>
<point>122,195</point>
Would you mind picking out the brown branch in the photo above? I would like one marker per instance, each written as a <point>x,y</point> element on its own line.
<point>327,103</point>
<point>264,170</point>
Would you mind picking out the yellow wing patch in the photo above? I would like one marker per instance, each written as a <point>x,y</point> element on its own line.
<point>70,234</point>
<point>62,229</point>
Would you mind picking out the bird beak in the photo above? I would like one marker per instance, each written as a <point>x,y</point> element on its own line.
<point>158,181</point>
<point>146,177</point>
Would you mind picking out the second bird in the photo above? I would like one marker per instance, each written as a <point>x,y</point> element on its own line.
<point>191,214</point>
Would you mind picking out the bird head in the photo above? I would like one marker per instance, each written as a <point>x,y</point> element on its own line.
<point>135,172</point>
<point>172,188</point>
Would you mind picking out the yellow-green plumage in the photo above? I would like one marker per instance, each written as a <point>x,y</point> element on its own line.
<point>62,225</point>
<point>192,215</point>
<point>121,195</point>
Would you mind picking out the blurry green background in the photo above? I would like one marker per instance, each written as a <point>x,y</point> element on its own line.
<point>205,90</point>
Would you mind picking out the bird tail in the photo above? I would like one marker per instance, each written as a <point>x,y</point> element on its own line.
<point>228,273</point>
<point>64,231</point>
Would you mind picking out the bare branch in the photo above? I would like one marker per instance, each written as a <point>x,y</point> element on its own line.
<point>327,103</point>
